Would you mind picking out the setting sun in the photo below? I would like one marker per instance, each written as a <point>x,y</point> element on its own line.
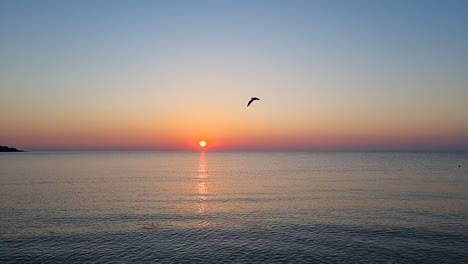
<point>202,143</point>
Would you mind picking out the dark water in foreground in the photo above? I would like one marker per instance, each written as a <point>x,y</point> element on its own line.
<point>233,207</point>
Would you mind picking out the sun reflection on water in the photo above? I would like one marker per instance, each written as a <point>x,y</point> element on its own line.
<point>202,185</point>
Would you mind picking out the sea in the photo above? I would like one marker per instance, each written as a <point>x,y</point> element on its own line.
<point>233,207</point>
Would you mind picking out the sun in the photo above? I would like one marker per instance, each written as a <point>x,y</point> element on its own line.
<point>202,143</point>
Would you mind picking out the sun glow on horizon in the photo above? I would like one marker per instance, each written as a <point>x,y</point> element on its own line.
<point>202,143</point>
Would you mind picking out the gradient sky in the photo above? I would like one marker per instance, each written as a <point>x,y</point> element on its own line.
<point>331,75</point>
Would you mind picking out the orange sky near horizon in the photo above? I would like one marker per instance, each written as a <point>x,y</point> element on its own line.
<point>238,129</point>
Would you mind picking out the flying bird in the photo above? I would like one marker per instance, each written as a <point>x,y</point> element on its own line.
<point>251,100</point>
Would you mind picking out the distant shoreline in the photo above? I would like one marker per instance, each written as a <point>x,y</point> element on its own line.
<point>8,149</point>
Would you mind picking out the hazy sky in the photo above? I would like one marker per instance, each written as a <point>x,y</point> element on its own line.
<point>331,75</point>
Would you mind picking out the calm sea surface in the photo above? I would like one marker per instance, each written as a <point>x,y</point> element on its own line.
<point>233,207</point>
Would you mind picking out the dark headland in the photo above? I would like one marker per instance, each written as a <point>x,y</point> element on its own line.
<point>8,149</point>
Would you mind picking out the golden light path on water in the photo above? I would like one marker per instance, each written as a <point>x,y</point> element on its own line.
<point>202,188</point>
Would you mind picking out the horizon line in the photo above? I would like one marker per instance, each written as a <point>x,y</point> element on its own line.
<point>251,150</point>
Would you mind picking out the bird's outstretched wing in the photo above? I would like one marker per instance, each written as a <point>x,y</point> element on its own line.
<point>251,100</point>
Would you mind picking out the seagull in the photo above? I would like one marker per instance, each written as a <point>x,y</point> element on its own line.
<point>251,100</point>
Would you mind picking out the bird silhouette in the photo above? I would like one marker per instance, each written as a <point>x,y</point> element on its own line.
<point>251,100</point>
